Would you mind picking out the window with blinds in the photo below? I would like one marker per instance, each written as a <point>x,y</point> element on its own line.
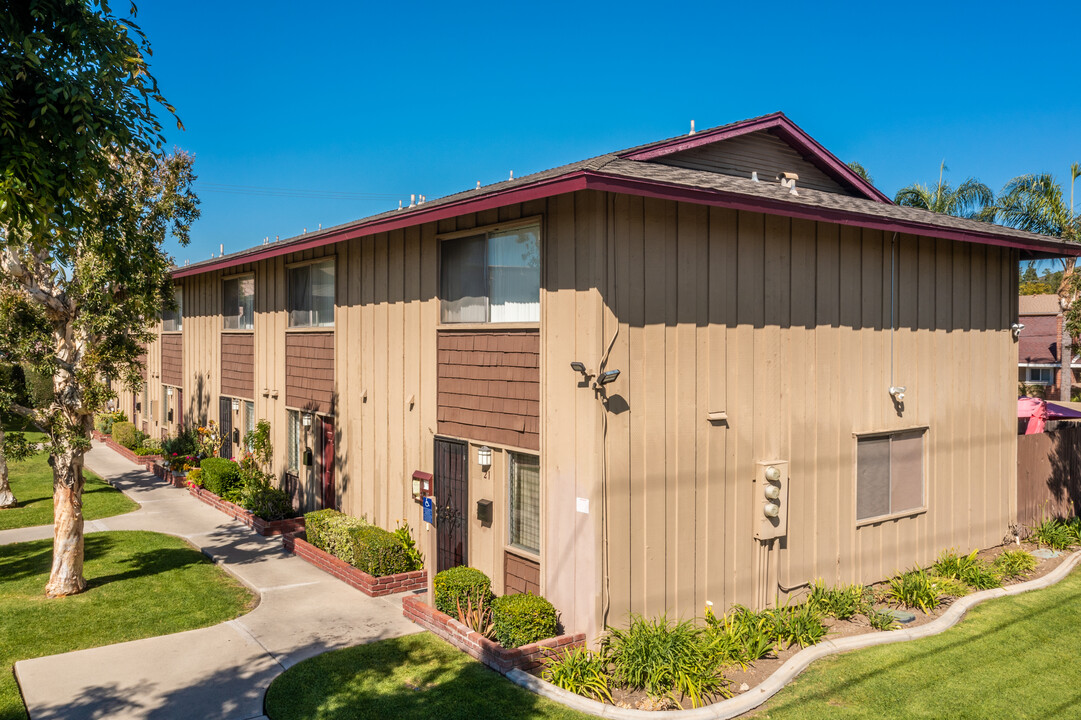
<point>889,474</point>
<point>524,494</point>
<point>172,319</point>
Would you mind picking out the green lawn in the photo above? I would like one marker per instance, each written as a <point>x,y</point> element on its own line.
<point>1009,658</point>
<point>141,584</point>
<point>418,676</point>
<point>32,482</point>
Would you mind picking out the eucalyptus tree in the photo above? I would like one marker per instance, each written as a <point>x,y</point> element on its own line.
<point>966,200</point>
<point>87,197</point>
<point>1038,203</point>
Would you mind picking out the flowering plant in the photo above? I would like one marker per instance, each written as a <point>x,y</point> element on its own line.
<point>209,439</point>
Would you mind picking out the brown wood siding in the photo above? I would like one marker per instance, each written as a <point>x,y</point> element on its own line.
<point>489,386</point>
<point>760,152</point>
<point>1048,475</point>
<point>520,575</point>
<point>238,365</point>
<point>309,371</point>
<point>172,359</point>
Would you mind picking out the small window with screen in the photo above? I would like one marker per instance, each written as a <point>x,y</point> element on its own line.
<point>889,474</point>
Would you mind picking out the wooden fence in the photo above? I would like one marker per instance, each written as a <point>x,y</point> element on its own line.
<point>1049,474</point>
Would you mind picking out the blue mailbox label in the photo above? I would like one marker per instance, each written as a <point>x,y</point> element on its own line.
<point>429,509</point>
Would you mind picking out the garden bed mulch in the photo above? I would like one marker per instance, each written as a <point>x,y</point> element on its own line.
<point>265,528</point>
<point>529,658</point>
<point>368,584</point>
<point>742,680</point>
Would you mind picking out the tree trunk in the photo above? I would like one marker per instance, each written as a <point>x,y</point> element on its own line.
<point>67,571</point>
<point>7,498</point>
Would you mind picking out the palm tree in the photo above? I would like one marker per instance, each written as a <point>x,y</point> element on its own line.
<point>1037,203</point>
<point>966,200</point>
<point>860,170</point>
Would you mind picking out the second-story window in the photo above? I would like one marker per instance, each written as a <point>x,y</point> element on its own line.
<point>311,294</point>
<point>173,320</point>
<point>491,277</point>
<point>238,303</point>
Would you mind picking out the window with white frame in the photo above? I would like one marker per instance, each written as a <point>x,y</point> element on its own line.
<point>311,294</point>
<point>524,496</point>
<point>166,405</point>
<point>249,422</point>
<point>491,277</point>
<point>293,441</point>
<point>889,474</point>
<point>238,303</point>
<point>1039,376</point>
<point>172,319</point>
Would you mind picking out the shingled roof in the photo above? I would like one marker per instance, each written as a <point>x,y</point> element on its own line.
<point>632,171</point>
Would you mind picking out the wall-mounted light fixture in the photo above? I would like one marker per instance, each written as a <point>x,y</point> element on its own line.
<point>484,456</point>
<point>578,367</point>
<point>307,419</point>
<point>898,392</point>
<point>169,392</point>
<point>608,376</point>
<point>236,404</point>
<point>1017,328</point>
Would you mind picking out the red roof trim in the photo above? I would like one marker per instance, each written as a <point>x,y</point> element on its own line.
<point>787,131</point>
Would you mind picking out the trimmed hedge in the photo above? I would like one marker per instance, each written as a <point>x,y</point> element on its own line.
<point>328,530</point>
<point>378,552</point>
<point>461,585</point>
<point>522,619</point>
<point>222,477</point>
<point>125,434</point>
<point>195,477</point>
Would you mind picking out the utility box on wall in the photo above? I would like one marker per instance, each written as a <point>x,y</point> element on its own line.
<point>771,500</point>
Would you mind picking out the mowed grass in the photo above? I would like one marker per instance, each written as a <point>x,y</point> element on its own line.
<point>417,676</point>
<point>32,482</point>
<point>141,584</point>
<point>1013,657</point>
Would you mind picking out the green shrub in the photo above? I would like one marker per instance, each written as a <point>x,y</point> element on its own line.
<point>265,501</point>
<point>405,536</point>
<point>967,568</point>
<point>665,659</point>
<point>523,619</point>
<point>328,530</point>
<point>796,625</point>
<point>195,477</point>
<point>1014,564</point>
<point>880,619</point>
<point>460,585</point>
<point>741,636</point>
<point>222,477</point>
<point>125,434</point>
<point>103,422</point>
<point>951,587</point>
<point>913,589</point>
<point>379,552</point>
<point>1053,533</point>
<point>841,602</point>
<point>183,444</point>
<point>581,672</point>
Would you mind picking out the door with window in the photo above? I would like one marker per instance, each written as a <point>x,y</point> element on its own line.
<point>451,487</point>
<point>225,423</point>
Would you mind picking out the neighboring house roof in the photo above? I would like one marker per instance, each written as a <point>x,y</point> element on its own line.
<point>1039,305</point>
<point>1039,341</point>
<point>646,171</point>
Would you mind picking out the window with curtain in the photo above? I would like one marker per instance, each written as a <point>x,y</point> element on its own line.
<point>889,474</point>
<point>311,294</point>
<point>172,320</point>
<point>293,458</point>
<point>524,495</point>
<point>238,303</point>
<point>491,277</point>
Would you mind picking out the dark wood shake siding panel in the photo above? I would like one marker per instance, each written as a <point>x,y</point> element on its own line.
<point>309,371</point>
<point>172,359</point>
<point>238,365</point>
<point>520,575</point>
<point>489,386</point>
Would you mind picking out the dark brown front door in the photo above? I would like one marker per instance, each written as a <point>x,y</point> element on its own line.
<point>450,485</point>
<point>225,412</point>
<point>328,495</point>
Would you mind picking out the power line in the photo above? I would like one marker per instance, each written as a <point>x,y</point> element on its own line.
<point>262,191</point>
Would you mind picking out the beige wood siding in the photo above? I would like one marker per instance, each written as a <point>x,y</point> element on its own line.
<point>238,365</point>
<point>489,386</point>
<point>761,152</point>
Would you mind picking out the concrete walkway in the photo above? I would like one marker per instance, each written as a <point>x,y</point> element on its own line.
<point>217,672</point>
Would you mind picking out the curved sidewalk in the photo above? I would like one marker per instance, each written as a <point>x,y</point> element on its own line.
<point>221,671</point>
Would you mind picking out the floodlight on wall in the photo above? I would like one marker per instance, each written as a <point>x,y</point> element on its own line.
<point>608,376</point>
<point>307,419</point>
<point>236,405</point>
<point>1017,328</point>
<point>578,367</point>
<point>484,456</point>
<point>898,393</point>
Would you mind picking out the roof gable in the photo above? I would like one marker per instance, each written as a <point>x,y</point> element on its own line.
<point>766,145</point>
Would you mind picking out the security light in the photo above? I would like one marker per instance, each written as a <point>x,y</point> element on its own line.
<point>608,376</point>
<point>578,367</point>
<point>307,419</point>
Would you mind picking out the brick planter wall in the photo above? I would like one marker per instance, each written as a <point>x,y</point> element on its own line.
<point>261,526</point>
<point>367,584</point>
<point>147,461</point>
<point>168,476</point>
<point>501,659</point>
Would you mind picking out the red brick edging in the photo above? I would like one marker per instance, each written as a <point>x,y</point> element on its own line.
<point>261,526</point>
<point>501,659</point>
<point>147,461</point>
<point>367,584</point>
<point>169,476</point>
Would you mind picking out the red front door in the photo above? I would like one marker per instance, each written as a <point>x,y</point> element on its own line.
<point>329,499</point>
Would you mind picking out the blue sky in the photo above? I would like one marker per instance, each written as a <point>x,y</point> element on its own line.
<point>358,105</point>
